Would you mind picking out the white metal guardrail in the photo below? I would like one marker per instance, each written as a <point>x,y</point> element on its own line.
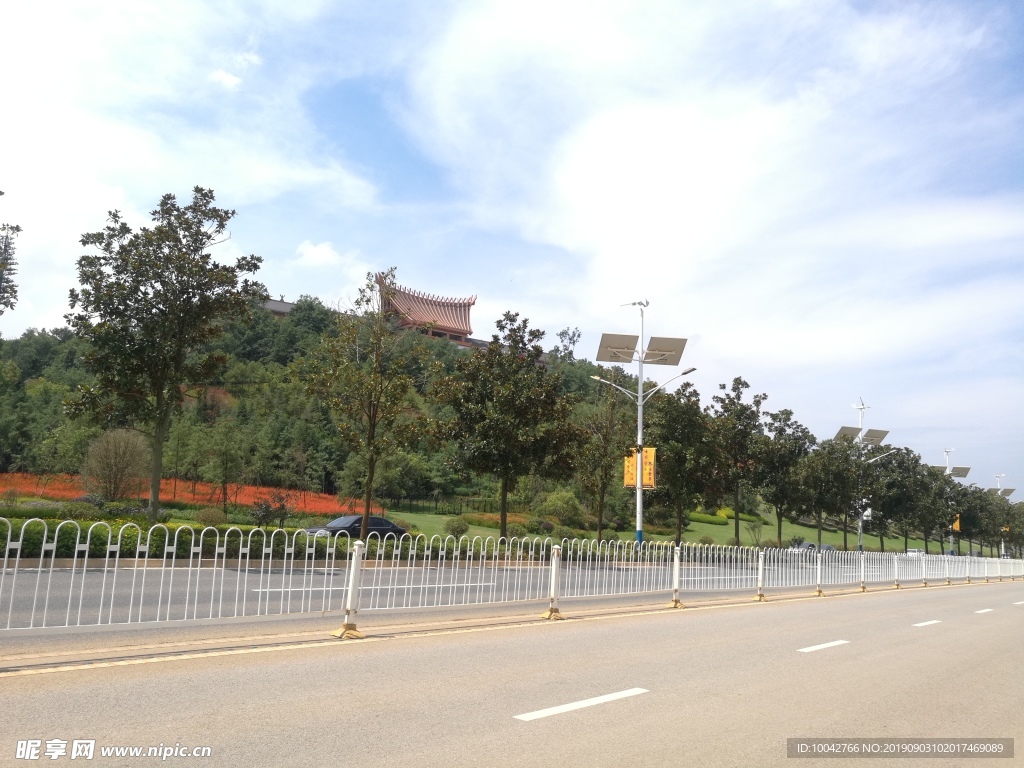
<point>71,575</point>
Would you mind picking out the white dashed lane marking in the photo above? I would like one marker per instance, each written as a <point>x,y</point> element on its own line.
<point>812,648</point>
<point>580,704</point>
<point>927,623</point>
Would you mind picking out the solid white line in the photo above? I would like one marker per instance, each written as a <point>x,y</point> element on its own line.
<point>822,646</point>
<point>926,623</point>
<point>1020,603</point>
<point>385,586</point>
<point>984,610</point>
<point>580,704</point>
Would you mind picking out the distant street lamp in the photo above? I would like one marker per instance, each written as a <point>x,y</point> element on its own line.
<point>960,472</point>
<point>1005,493</point>
<point>866,514</point>
<point>661,350</point>
<point>864,437</point>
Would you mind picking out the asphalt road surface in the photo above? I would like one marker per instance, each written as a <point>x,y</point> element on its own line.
<point>616,686</point>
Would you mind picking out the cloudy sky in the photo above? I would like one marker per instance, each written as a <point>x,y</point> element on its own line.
<point>824,197</point>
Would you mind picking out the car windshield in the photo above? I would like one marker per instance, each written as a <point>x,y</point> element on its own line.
<point>341,522</point>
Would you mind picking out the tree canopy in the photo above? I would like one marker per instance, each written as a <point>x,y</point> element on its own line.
<point>149,304</point>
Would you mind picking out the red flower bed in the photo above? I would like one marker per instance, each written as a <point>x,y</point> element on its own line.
<point>66,487</point>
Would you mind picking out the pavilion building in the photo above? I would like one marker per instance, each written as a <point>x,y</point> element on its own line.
<point>437,316</point>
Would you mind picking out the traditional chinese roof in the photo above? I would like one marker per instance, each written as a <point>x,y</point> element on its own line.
<point>436,312</point>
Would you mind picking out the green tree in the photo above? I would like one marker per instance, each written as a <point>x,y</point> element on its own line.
<point>901,489</point>
<point>362,374</point>
<point>506,413</point>
<point>150,303</point>
<point>606,421</point>
<point>832,481</point>
<point>778,476</point>
<point>8,266</point>
<point>681,431</point>
<point>738,432</point>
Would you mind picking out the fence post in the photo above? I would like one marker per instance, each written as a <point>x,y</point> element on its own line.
<point>552,612</point>
<point>896,570</point>
<point>986,570</point>
<point>818,591</point>
<point>924,570</point>
<point>760,576</point>
<point>675,578</point>
<point>348,629</point>
<point>863,558</point>
<point>948,580</point>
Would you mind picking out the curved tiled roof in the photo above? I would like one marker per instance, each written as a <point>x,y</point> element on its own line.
<point>439,312</point>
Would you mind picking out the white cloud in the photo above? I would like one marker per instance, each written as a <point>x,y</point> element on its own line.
<point>324,255</point>
<point>226,79</point>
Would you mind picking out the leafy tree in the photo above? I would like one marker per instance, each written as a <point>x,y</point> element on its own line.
<point>831,477</point>
<point>506,414</point>
<point>151,301</point>
<point>901,489</point>
<point>738,433</point>
<point>609,430</point>
<point>778,477</point>
<point>224,457</point>
<point>682,432</point>
<point>362,374</point>
<point>8,266</point>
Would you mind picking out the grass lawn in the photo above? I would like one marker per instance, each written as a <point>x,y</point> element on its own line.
<point>430,525</point>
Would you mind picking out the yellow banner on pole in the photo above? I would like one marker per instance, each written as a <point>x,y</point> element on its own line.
<point>647,469</point>
<point>629,470</point>
<point>649,479</point>
<point>956,523</point>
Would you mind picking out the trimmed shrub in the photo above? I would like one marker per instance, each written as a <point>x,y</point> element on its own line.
<point>564,507</point>
<point>700,517</point>
<point>410,528</point>
<point>706,540</point>
<point>116,465</point>
<point>539,527</point>
<point>492,520</point>
<point>456,526</point>
<point>517,530</point>
<point>211,516</point>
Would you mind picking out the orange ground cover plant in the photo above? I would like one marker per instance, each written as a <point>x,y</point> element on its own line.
<point>66,487</point>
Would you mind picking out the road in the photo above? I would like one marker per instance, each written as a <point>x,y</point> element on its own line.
<point>722,686</point>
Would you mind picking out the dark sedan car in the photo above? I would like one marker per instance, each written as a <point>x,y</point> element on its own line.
<point>351,524</point>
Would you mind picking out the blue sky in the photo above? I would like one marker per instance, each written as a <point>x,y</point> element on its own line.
<point>825,197</point>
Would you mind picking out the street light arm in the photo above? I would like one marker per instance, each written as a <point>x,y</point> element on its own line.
<point>869,461</point>
<point>649,395</point>
<point>626,392</point>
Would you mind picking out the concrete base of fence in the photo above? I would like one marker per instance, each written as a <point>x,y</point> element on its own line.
<point>552,614</point>
<point>348,632</point>
<point>676,603</point>
<point>818,592</point>
<point>760,598</point>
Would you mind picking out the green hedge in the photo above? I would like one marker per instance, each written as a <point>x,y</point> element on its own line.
<point>700,517</point>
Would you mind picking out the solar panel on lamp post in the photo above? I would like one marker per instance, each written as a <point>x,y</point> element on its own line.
<point>866,514</point>
<point>661,350</point>
<point>862,437</point>
<point>1005,493</point>
<point>960,472</point>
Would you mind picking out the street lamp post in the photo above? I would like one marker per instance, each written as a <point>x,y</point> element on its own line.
<point>661,350</point>
<point>960,472</point>
<point>864,437</point>
<point>866,514</point>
